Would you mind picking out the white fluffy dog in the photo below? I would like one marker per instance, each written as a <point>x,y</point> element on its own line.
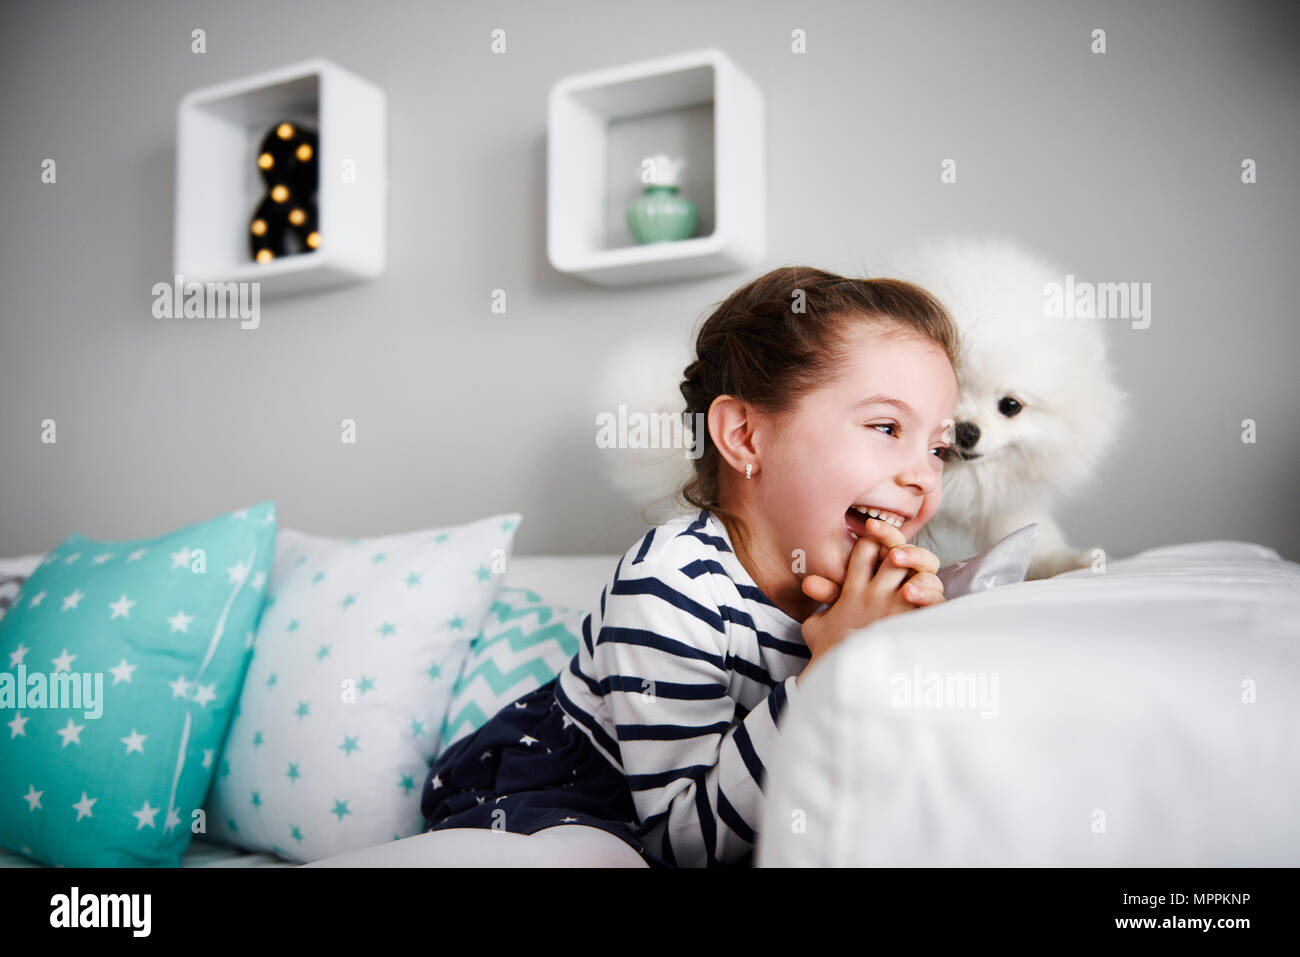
<point>1038,407</point>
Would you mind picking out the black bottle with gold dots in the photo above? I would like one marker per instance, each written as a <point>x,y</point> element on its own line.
<point>285,222</point>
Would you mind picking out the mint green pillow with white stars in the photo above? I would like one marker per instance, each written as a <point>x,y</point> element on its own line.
<point>525,642</point>
<point>160,632</point>
<point>358,648</point>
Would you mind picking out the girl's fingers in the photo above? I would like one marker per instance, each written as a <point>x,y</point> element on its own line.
<point>913,556</point>
<point>886,534</point>
<point>862,564</point>
<point>926,580</point>
<point>820,589</point>
<point>920,595</point>
<point>883,537</point>
<point>892,570</point>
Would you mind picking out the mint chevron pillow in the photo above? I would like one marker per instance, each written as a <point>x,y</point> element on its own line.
<point>125,661</point>
<point>525,642</point>
<point>356,655</point>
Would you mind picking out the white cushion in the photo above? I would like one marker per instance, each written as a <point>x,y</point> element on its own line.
<point>1144,717</point>
<point>309,770</point>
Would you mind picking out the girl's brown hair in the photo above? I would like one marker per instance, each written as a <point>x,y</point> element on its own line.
<point>783,335</point>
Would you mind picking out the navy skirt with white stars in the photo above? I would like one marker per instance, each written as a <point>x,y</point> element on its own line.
<point>541,770</point>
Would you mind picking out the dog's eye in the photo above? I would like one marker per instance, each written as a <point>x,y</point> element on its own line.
<point>1009,406</point>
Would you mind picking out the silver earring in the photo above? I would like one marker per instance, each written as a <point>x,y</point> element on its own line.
<point>749,470</point>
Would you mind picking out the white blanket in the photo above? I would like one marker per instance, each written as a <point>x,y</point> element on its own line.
<point>1146,716</point>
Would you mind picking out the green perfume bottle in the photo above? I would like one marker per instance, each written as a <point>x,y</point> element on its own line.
<point>661,215</point>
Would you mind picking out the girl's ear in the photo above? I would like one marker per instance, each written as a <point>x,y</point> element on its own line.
<point>731,426</point>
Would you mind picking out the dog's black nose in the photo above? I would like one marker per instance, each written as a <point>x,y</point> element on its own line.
<point>968,433</point>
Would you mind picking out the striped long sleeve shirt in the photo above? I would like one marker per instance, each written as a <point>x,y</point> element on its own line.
<point>680,681</point>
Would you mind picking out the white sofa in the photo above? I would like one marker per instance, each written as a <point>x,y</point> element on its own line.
<point>1142,717</point>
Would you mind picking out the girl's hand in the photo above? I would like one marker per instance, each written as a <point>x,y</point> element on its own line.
<point>876,585</point>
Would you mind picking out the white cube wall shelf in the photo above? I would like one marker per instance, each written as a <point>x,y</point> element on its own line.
<point>218,184</point>
<point>581,111</point>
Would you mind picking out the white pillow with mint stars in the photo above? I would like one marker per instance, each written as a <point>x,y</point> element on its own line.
<point>358,647</point>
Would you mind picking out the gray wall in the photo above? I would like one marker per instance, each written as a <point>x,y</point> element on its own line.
<point>1122,167</point>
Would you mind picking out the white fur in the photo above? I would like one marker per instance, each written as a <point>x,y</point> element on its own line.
<point>1058,370</point>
